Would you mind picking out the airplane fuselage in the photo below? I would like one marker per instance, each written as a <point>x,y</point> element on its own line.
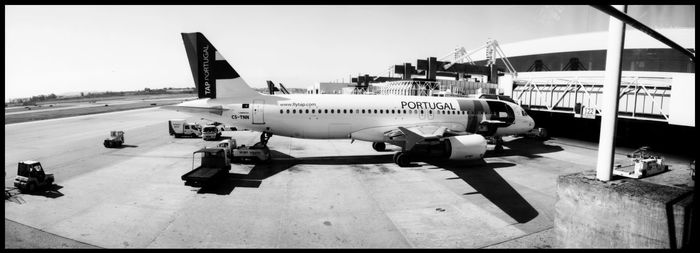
<point>364,117</point>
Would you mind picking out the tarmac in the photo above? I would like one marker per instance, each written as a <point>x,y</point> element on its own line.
<point>314,194</point>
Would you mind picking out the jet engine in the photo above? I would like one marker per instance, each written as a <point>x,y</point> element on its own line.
<point>465,147</point>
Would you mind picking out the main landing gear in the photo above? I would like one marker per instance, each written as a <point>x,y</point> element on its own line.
<point>379,146</point>
<point>401,159</point>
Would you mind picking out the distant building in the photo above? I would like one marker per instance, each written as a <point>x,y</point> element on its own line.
<point>587,51</point>
<point>329,88</point>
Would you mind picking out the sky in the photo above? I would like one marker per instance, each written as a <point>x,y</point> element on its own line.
<point>65,49</point>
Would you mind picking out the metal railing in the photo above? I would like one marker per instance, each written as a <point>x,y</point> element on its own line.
<point>641,97</point>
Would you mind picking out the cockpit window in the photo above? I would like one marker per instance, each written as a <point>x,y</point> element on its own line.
<point>524,113</point>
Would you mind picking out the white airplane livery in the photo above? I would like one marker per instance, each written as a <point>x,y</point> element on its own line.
<point>449,127</point>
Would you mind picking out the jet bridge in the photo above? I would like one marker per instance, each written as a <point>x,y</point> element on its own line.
<point>656,96</point>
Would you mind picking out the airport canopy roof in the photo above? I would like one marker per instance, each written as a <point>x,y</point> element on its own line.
<point>634,39</point>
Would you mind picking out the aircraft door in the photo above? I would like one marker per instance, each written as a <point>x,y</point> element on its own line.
<point>258,111</point>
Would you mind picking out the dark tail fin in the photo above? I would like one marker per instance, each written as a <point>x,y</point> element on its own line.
<point>271,87</point>
<point>284,90</point>
<point>213,76</point>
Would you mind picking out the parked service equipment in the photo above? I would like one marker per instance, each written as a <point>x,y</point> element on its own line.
<point>180,127</point>
<point>537,133</point>
<point>211,132</point>
<point>644,163</point>
<point>31,176</point>
<point>214,163</point>
<point>115,140</point>
<point>228,145</point>
<point>256,153</point>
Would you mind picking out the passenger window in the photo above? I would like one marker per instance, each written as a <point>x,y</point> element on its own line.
<point>325,111</point>
<point>430,111</point>
<point>363,111</point>
<point>313,110</point>
<point>404,111</point>
<point>375,111</point>
<point>294,111</point>
<point>381,111</point>
<point>421,111</point>
<point>345,110</point>
<point>287,111</point>
<point>307,110</point>
<point>281,111</point>
<point>350,111</point>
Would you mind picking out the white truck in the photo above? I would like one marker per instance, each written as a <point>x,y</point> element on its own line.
<point>180,127</point>
<point>211,132</point>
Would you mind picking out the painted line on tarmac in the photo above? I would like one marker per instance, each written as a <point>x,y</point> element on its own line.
<point>74,117</point>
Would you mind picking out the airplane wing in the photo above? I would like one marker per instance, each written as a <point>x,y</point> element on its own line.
<point>218,110</point>
<point>414,135</point>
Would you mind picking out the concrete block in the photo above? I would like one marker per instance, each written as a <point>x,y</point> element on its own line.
<point>622,213</point>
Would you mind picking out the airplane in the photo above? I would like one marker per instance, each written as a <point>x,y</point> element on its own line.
<point>456,127</point>
<point>271,87</point>
<point>284,90</point>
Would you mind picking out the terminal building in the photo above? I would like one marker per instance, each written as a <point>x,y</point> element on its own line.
<point>559,80</point>
<point>559,77</point>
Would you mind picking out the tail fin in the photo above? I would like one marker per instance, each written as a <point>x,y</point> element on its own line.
<point>213,76</point>
<point>284,90</point>
<point>271,87</point>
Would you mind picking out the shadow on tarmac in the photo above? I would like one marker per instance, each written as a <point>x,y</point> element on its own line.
<point>281,162</point>
<point>50,191</point>
<point>483,177</point>
<point>479,174</point>
<point>126,146</point>
<point>527,147</point>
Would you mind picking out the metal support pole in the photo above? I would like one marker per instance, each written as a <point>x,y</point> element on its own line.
<point>611,90</point>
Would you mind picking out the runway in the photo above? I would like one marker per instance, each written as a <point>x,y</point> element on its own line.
<point>315,193</point>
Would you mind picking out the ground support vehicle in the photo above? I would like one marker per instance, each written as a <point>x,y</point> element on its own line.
<point>537,133</point>
<point>259,152</point>
<point>115,140</point>
<point>180,127</point>
<point>31,176</point>
<point>214,163</point>
<point>228,145</point>
<point>644,163</point>
<point>211,132</point>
